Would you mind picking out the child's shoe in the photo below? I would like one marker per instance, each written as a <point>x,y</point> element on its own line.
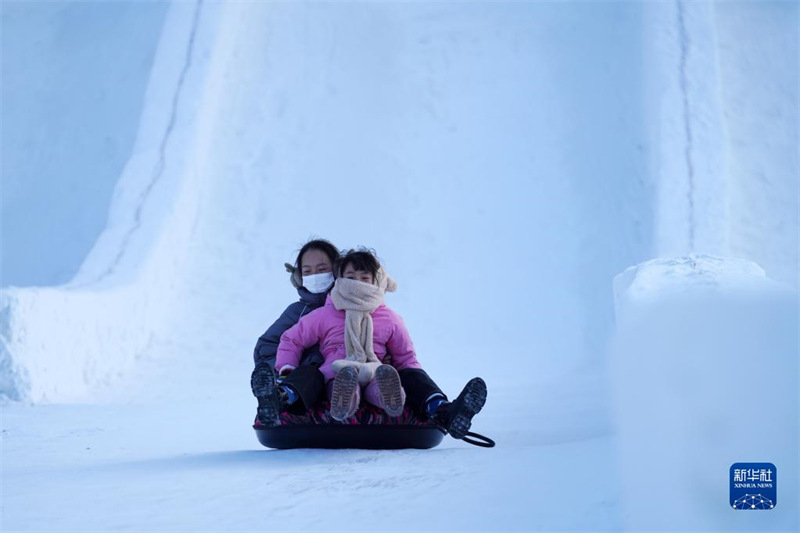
<point>346,394</point>
<point>390,389</point>
<point>456,417</point>
<point>270,400</point>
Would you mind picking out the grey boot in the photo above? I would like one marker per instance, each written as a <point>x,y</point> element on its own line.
<point>392,395</point>
<point>346,394</point>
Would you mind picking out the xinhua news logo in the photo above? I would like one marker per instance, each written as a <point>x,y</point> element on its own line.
<point>754,486</point>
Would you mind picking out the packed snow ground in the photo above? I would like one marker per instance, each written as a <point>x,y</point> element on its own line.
<point>188,461</point>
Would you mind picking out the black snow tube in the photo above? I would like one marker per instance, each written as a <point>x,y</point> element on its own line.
<point>369,428</point>
<point>368,436</point>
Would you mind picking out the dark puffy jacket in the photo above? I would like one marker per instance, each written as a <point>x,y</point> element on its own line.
<point>267,345</point>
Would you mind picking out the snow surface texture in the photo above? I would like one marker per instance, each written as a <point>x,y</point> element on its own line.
<point>506,160</point>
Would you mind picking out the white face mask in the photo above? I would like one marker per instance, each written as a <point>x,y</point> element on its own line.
<point>318,283</point>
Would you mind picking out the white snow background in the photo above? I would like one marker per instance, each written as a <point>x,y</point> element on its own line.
<point>593,205</point>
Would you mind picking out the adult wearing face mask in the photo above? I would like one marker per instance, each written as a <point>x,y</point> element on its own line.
<point>312,276</point>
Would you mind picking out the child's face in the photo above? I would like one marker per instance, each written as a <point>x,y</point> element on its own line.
<point>358,275</point>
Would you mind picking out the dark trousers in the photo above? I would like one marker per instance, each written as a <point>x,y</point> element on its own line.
<point>419,387</point>
<point>308,382</point>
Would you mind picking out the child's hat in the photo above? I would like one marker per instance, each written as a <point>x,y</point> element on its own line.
<point>384,281</point>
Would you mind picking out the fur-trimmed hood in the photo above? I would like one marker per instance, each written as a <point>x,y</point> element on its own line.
<point>295,276</point>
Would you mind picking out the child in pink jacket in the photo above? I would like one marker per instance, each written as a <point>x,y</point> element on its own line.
<point>355,331</point>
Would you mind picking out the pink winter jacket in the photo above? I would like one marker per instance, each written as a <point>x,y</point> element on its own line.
<point>326,327</point>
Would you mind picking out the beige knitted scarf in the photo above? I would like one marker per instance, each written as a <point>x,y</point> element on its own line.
<point>358,300</point>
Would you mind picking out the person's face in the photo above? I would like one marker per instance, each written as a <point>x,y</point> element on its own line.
<point>358,275</point>
<point>315,262</point>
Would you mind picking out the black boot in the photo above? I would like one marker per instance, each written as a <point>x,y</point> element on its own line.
<point>456,417</point>
<point>271,401</point>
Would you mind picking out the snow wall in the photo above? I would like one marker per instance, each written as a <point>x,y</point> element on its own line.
<point>444,136</point>
<point>703,373</point>
<point>73,81</point>
<point>505,160</point>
